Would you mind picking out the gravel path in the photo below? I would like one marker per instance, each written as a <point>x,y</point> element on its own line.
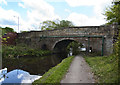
<point>79,72</point>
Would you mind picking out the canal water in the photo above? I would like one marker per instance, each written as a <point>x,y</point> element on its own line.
<point>34,65</point>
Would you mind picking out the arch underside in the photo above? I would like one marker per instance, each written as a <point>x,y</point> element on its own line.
<point>61,45</point>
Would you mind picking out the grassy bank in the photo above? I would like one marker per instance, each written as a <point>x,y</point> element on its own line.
<point>105,68</point>
<point>55,74</point>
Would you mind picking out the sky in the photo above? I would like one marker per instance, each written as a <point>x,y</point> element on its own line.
<point>31,13</point>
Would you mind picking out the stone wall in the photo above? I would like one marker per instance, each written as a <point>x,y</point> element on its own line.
<point>36,39</point>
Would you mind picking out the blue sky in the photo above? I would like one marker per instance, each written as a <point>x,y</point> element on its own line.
<point>32,13</point>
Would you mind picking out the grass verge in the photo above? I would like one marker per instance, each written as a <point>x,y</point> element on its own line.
<point>105,68</point>
<point>55,74</point>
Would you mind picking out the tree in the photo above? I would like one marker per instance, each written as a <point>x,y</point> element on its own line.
<point>6,30</point>
<point>6,37</point>
<point>65,23</point>
<point>49,25</point>
<point>75,47</point>
<point>113,13</point>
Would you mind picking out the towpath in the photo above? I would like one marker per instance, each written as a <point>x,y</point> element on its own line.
<point>79,72</point>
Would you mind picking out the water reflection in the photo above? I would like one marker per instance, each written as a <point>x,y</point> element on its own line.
<point>34,65</point>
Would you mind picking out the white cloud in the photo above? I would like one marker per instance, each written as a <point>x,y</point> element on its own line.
<point>55,0</point>
<point>40,7</point>
<point>38,11</point>
<point>21,5</point>
<point>99,5</point>
<point>7,15</point>
<point>83,20</point>
<point>7,19</point>
<point>3,1</point>
<point>67,10</point>
<point>98,8</point>
<point>75,3</point>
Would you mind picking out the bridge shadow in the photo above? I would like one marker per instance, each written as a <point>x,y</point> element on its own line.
<point>61,46</point>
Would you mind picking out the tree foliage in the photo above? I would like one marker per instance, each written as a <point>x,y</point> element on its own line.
<point>113,13</point>
<point>6,30</point>
<point>117,46</point>
<point>21,50</point>
<point>75,47</point>
<point>49,25</point>
<point>6,37</point>
<point>65,23</point>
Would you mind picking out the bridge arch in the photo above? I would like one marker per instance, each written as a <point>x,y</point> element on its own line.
<point>60,40</point>
<point>61,44</point>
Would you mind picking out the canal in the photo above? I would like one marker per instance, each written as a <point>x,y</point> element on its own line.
<point>34,65</point>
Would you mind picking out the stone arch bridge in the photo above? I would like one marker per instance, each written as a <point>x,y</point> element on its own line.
<point>100,38</point>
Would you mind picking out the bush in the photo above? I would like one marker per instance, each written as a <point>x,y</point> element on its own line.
<point>74,45</point>
<point>21,50</point>
<point>117,47</point>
